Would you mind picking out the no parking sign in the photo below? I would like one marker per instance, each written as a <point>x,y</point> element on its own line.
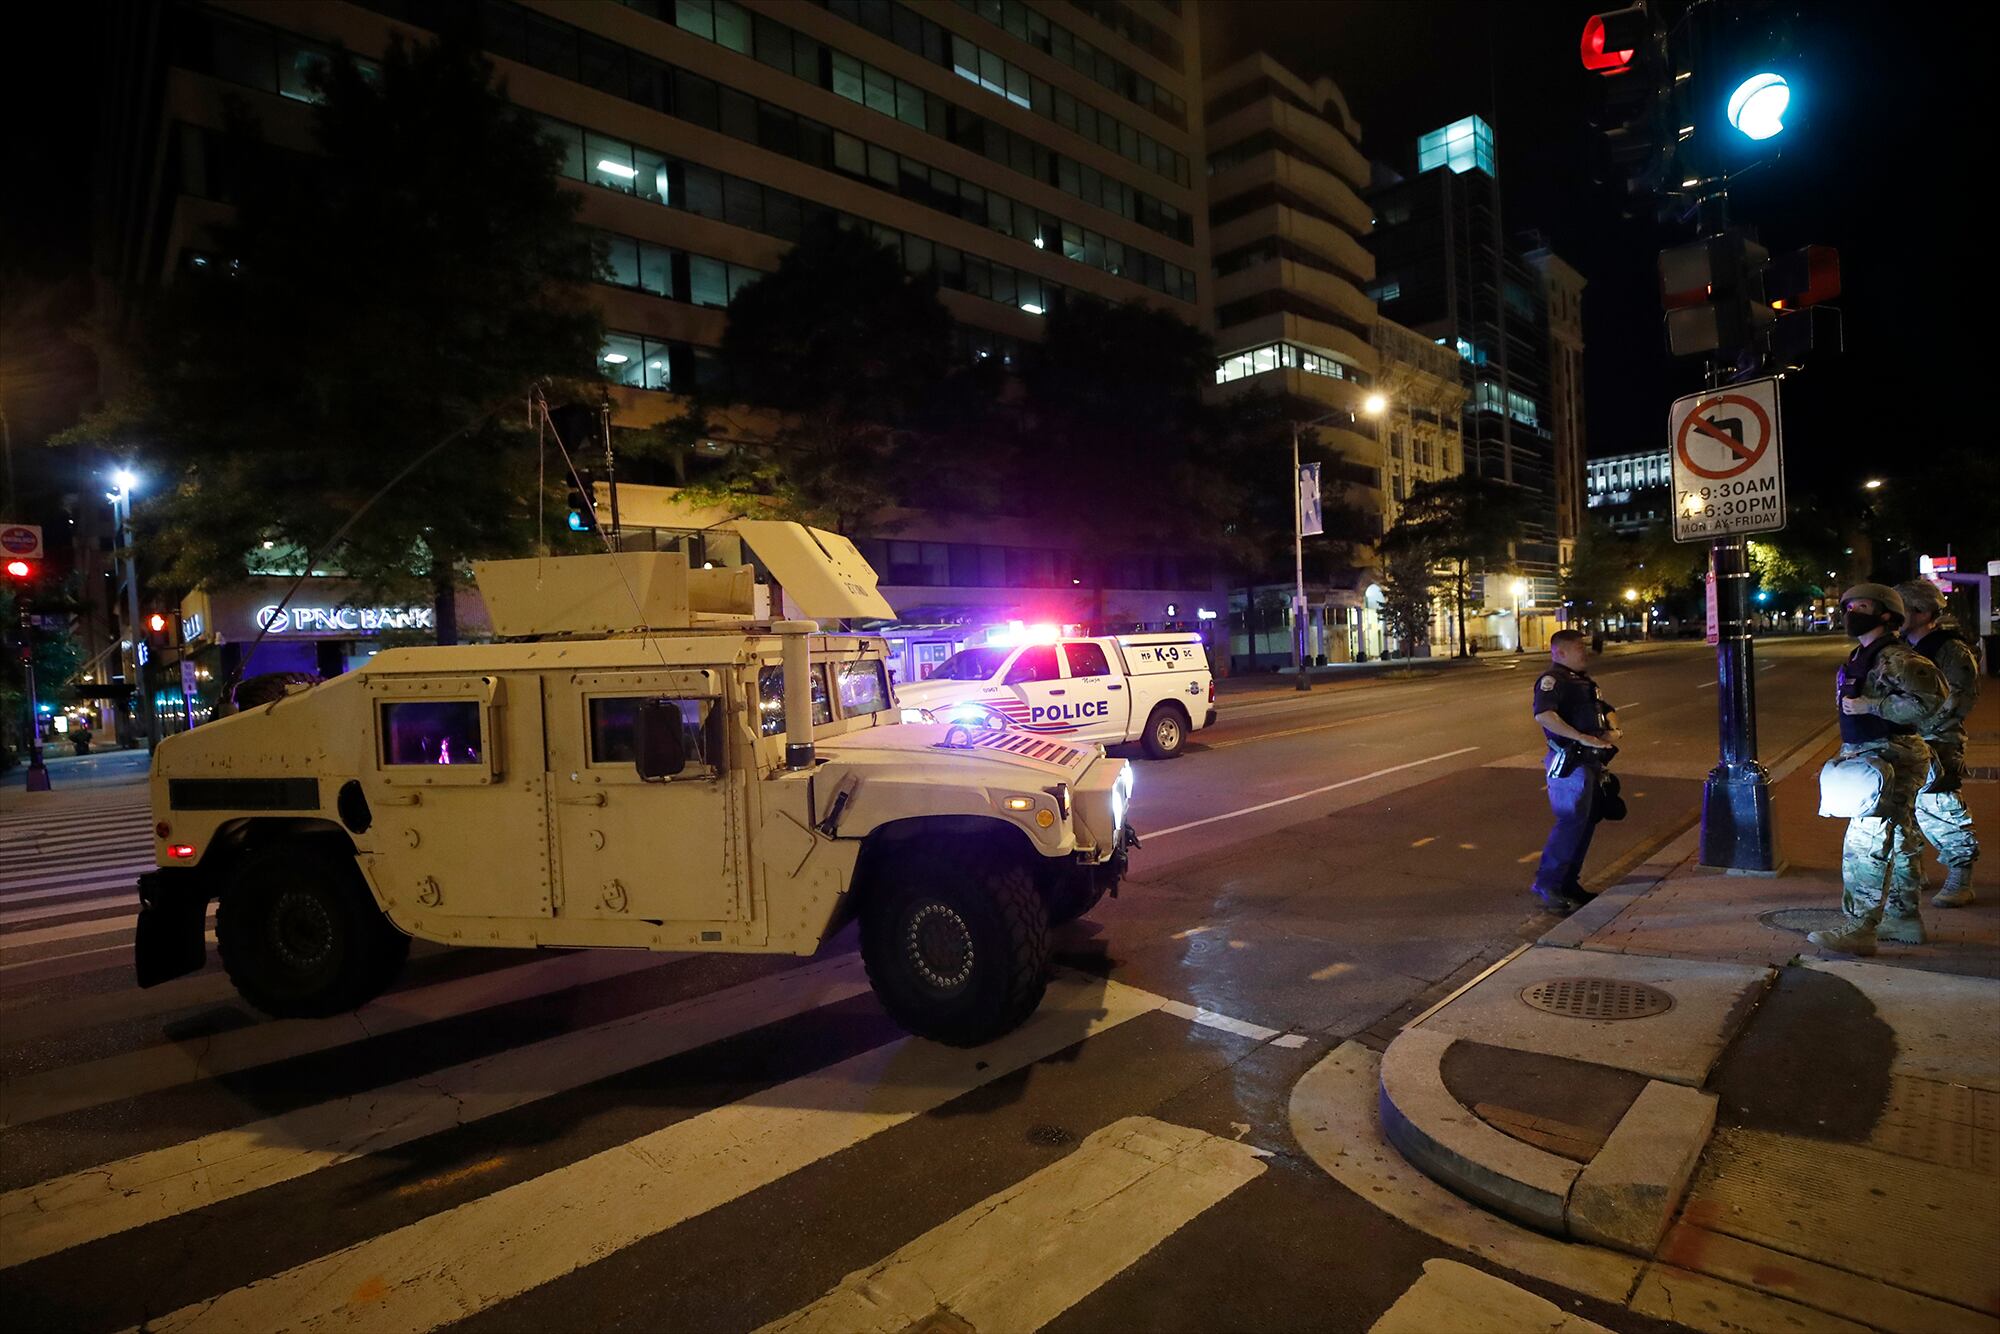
<point>1726,446</point>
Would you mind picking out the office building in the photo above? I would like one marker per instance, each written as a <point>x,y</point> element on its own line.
<point>1630,493</point>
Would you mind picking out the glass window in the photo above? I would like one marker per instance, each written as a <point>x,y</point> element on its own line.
<point>878,90</point>
<point>862,687</point>
<point>246,55</point>
<point>740,278</point>
<point>743,203</point>
<point>609,162</point>
<point>694,99</point>
<point>771,700</point>
<point>696,16</point>
<point>552,46</point>
<point>432,731</point>
<point>654,172</point>
<point>732,26</point>
<point>773,44</point>
<point>739,115</point>
<point>571,140</point>
<point>603,65</point>
<point>972,664</point>
<point>620,360</point>
<point>849,154</point>
<point>613,723</point>
<point>847,80</point>
<point>1035,664</point>
<point>659,368</point>
<point>704,191</point>
<point>1087,659</point>
<point>300,71</point>
<point>708,281</point>
<point>621,261</point>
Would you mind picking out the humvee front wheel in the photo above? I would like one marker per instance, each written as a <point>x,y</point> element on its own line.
<point>300,936</point>
<point>957,947</point>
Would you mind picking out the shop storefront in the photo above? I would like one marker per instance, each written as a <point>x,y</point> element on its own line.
<point>326,627</point>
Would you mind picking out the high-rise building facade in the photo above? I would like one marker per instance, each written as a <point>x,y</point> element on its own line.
<point>1024,153</point>
<point>1445,269</point>
<point>1562,295</point>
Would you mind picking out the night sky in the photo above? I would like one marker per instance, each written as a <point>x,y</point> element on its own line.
<point>1881,171</point>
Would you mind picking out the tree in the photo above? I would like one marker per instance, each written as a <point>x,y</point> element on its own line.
<point>1465,522</point>
<point>1600,568</point>
<point>381,308</point>
<point>850,357</point>
<point>1407,595</point>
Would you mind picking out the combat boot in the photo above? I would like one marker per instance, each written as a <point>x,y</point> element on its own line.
<point>1956,892</point>
<point>1852,938</point>
<point>1902,930</point>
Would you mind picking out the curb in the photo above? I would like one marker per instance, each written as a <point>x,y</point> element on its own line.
<point>1624,1198</point>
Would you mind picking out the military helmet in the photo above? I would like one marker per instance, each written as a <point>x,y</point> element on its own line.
<point>1921,595</point>
<point>1884,597</point>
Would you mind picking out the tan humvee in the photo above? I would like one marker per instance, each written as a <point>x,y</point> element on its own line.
<point>639,764</point>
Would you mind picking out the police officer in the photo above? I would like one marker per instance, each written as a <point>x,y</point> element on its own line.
<point>1580,728</point>
<point>1886,691</point>
<point>1941,814</point>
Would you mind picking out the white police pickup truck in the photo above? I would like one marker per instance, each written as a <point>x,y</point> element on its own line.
<point>1150,688</point>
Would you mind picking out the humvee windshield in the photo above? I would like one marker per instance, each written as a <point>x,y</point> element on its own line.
<point>862,688</point>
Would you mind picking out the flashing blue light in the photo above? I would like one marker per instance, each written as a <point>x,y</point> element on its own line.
<point>1763,596</point>
<point>576,523</point>
<point>1757,107</point>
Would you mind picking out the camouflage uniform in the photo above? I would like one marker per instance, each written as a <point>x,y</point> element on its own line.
<point>1878,866</point>
<point>1941,812</point>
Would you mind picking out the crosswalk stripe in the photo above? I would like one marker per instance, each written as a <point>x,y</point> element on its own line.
<point>105,886</point>
<point>126,871</point>
<point>48,1093</point>
<point>1020,1258</point>
<point>81,858</point>
<point>464,1260</point>
<point>99,926</point>
<point>83,1206</point>
<point>107,902</point>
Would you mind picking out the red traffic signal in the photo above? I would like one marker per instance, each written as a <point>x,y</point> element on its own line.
<point>20,569</point>
<point>1611,39</point>
<point>1806,277</point>
<point>156,623</point>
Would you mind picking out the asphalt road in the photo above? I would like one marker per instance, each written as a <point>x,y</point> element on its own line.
<point>614,1141</point>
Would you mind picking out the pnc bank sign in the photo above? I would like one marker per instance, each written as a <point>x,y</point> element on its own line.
<point>343,620</point>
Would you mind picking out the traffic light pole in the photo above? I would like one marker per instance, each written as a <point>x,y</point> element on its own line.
<point>38,769</point>
<point>1736,830</point>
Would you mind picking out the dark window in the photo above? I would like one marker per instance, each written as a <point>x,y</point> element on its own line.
<point>1034,664</point>
<point>1087,660</point>
<point>429,731</point>
<point>613,721</point>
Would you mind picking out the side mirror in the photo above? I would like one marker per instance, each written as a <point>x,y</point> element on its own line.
<point>658,748</point>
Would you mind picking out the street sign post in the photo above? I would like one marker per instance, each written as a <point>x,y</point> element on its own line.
<point>1727,451</point>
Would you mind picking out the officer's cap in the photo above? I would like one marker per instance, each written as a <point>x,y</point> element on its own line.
<point>1921,595</point>
<point>1884,597</point>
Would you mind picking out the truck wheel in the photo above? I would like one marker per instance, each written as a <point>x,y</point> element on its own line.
<point>300,936</point>
<point>1166,732</point>
<point>957,948</point>
<point>1071,896</point>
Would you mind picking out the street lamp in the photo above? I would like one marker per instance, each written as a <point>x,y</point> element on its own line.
<point>1520,640</point>
<point>121,519</point>
<point>1299,540</point>
<point>1872,484</point>
<point>1375,405</point>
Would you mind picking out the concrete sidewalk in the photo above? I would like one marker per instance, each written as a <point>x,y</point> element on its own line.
<point>1771,1139</point>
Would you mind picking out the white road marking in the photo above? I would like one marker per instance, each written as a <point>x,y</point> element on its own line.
<point>1022,1257</point>
<point>1302,796</point>
<point>127,871</point>
<point>1427,838</point>
<point>464,1260</point>
<point>127,1075</point>
<point>1195,1014</point>
<point>98,1202</point>
<point>101,926</point>
<point>1290,1041</point>
<point>1331,971</point>
<point>125,948</point>
<point>1706,684</point>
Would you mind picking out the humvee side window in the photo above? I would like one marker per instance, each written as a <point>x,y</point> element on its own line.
<point>771,700</point>
<point>861,687</point>
<point>432,731</point>
<point>614,719</point>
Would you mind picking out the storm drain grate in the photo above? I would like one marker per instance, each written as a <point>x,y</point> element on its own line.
<point>1803,920</point>
<point>1597,998</point>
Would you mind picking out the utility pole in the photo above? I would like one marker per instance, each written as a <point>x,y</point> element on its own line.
<point>610,471</point>
<point>1298,574</point>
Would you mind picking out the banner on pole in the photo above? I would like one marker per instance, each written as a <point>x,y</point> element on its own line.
<point>1311,522</point>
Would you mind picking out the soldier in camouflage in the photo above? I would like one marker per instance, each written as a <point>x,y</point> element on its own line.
<point>1941,812</point>
<point>1886,691</point>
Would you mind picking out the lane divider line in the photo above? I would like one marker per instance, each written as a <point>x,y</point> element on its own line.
<point>1302,796</point>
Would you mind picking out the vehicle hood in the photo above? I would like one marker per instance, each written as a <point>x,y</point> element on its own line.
<point>921,743</point>
<point>926,694</point>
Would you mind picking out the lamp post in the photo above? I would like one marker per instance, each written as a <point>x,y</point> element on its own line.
<point>1374,406</point>
<point>121,518</point>
<point>1520,639</point>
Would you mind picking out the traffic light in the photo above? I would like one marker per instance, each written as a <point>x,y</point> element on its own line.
<point>1713,290</point>
<point>1628,50</point>
<point>156,623</point>
<point>582,512</point>
<point>21,571</point>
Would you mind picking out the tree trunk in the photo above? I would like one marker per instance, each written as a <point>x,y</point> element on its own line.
<point>444,600</point>
<point>1458,596</point>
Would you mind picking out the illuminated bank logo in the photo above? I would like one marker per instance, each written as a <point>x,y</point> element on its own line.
<point>343,620</point>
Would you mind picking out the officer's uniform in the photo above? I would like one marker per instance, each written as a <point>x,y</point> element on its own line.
<point>1573,796</point>
<point>1941,812</point>
<point>1878,865</point>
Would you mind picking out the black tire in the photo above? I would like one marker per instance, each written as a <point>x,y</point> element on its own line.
<point>956,945</point>
<point>1166,731</point>
<point>1071,896</point>
<point>299,934</point>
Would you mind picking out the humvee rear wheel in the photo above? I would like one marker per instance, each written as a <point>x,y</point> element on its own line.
<point>300,936</point>
<point>1166,732</point>
<point>957,948</point>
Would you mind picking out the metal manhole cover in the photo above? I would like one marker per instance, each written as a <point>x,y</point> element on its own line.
<point>1803,920</point>
<point>1597,998</point>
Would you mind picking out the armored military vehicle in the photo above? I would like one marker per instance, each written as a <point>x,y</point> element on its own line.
<point>638,763</point>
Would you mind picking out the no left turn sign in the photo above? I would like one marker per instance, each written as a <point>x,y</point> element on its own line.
<point>1728,462</point>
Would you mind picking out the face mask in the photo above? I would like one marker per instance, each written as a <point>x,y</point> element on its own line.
<point>1860,623</point>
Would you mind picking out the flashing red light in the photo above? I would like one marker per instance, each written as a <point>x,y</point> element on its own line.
<point>19,569</point>
<point>156,622</point>
<point>1595,58</point>
<point>181,852</point>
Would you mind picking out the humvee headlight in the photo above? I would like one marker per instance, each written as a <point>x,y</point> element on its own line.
<point>1018,803</point>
